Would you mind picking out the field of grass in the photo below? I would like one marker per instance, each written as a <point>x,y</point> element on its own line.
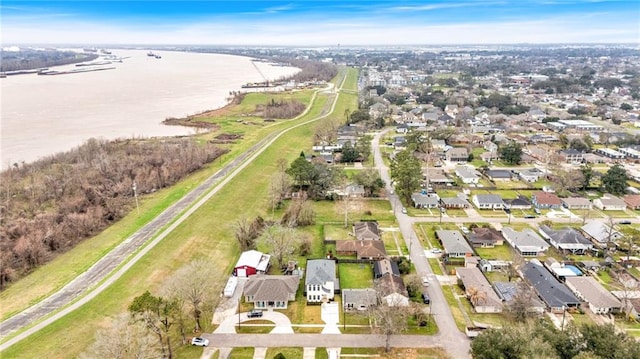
<point>502,252</point>
<point>206,234</point>
<point>287,352</point>
<point>355,275</point>
<point>461,323</point>
<point>242,353</point>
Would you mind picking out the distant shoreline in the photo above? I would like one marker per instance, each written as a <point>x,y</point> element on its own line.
<point>192,120</point>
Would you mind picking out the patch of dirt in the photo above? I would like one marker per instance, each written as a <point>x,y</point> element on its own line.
<point>225,138</point>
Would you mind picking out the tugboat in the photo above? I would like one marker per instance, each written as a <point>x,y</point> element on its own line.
<point>151,54</point>
<point>157,56</point>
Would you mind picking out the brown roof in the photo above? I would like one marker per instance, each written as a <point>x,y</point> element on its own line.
<point>367,248</point>
<point>632,200</point>
<point>388,284</point>
<point>271,287</point>
<point>547,198</point>
<point>366,230</point>
<point>485,235</point>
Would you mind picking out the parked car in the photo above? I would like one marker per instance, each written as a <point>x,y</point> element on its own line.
<point>255,313</point>
<point>425,281</point>
<point>529,216</point>
<point>436,250</point>
<point>465,230</point>
<point>625,221</point>
<point>425,298</point>
<point>404,210</point>
<point>201,342</point>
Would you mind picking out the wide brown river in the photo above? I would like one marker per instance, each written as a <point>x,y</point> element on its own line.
<point>42,115</point>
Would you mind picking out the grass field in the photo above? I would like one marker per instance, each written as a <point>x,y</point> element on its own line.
<point>355,275</point>
<point>206,234</point>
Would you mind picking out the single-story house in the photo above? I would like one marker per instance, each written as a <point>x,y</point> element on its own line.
<point>488,201</point>
<point>359,299</point>
<point>391,290</point>
<point>479,291</point>
<point>487,265</point>
<point>600,233</point>
<point>509,291</point>
<point>384,266</point>
<point>271,291</point>
<point>250,263</point>
<point>610,203</point>
<point>632,201</point>
<point>527,242</point>
<point>485,237</point>
<point>366,230</point>
<point>576,203</point>
<point>630,302</point>
<point>467,174</point>
<point>499,175</point>
<point>425,200</point>
<point>454,243</point>
<point>600,300</point>
<point>520,202</point>
<point>530,175</point>
<point>362,249</point>
<point>454,202</point>
<point>553,293</point>
<point>560,270</point>
<point>457,154</point>
<point>567,240</point>
<point>542,199</point>
<point>320,282</point>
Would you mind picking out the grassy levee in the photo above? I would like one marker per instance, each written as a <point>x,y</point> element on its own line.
<point>51,277</point>
<point>205,234</point>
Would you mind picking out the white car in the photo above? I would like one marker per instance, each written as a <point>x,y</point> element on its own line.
<point>425,281</point>
<point>436,250</point>
<point>201,342</point>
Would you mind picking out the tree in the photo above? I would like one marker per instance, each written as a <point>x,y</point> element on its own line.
<point>247,231</point>
<point>370,179</point>
<point>280,185</point>
<point>359,116</point>
<point>587,175</point>
<point>349,153</point>
<point>413,283</point>
<point>511,152</point>
<point>387,318</point>
<point>626,107</point>
<point>476,295</point>
<point>567,181</point>
<point>123,339</point>
<point>302,171</point>
<point>407,173</point>
<point>363,147</point>
<point>281,242</point>
<point>615,180</point>
<point>154,312</point>
<point>299,213</point>
<point>578,145</point>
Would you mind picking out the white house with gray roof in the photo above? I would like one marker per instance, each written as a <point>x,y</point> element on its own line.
<point>487,201</point>
<point>320,280</point>
<point>425,200</point>
<point>600,300</point>
<point>467,174</point>
<point>527,242</point>
<point>567,239</point>
<point>454,243</point>
<point>359,299</point>
<point>473,279</point>
<point>600,233</point>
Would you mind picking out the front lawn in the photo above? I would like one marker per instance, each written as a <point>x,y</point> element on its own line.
<point>502,252</point>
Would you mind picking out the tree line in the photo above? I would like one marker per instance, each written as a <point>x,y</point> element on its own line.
<point>51,205</point>
<point>281,109</point>
<point>28,59</point>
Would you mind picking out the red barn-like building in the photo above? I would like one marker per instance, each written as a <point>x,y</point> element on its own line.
<point>250,263</point>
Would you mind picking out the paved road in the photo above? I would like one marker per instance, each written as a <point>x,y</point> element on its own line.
<point>84,284</point>
<point>449,337</point>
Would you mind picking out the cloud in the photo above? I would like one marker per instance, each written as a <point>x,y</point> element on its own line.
<point>439,6</point>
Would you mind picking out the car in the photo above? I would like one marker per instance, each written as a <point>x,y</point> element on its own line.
<point>436,250</point>
<point>425,281</point>
<point>255,313</point>
<point>529,216</point>
<point>201,342</point>
<point>537,211</point>
<point>404,210</point>
<point>625,221</point>
<point>425,298</point>
<point>464,230</point>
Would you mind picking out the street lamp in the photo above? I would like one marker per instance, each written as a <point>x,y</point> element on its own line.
<point>135,194</point>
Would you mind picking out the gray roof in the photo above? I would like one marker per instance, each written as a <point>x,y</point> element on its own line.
<point>365,297</point>
<point>454,201</point>
<point>466,171</point>
<point>525,241</point>
<point>453,241</point>
<point>566,237</point>
<point>366,230</point>
<point>600,231</point>
<point>507,291</point>
<point>384,266</point>
<point>423,200</point>
<point>473,277</point>
<point>489,198</point>
<point>575,201</point>
<point>553,292</point>
<point>499,173</point>
<point>320,271</point>
<point>593,292</point>
<point>271,287</point>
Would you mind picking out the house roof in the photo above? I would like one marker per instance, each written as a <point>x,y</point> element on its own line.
<point>498,173</point>
<point>553,292</point>
<point>454,201</point>
<point>520,201</point>
<point>600,231</point>
<point>458,152</point>
<point>507,291</point>
<point>531,172</point>
<point>389,284</point>
<point>366,230</point>
<point>359,297</point>
<point>525,241</point>
<point>366,248</point>
<point>384,266</point>
<point>472,277</point>
<point>485,235</point>
<point>254,259</point>
<point>320,271</point>
<point>593,292</point>
<point>610,200</point>
<point>466,172</point>
<point>567,238</point>
<point>575,201</point>
<point>421,199</point>
<point>453,241</point>
<point>632,200</point>
<point>489,198</point>
<point>547,198</point>
<point>271,287</point>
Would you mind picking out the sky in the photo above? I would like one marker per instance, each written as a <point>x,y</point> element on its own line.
<point>319,23</point>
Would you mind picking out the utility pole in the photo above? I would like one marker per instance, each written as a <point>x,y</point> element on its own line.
<point>135,194</point>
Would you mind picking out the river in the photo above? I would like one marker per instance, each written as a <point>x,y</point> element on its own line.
<point>43,115</point>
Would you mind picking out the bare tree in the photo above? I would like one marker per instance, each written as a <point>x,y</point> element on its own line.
<point>299,213</point>
<point>280,185</point>
<point>124,339</point>
<point>388,319</point>
<point>520,304</point>
<point>281,242</point>
<point>476,295</point>
<point>247,231</point>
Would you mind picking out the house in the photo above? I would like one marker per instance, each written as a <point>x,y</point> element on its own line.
<point>250,263</point>
<point>467,174</point>
<point>391,290</point>
<point>632,201</point>
<point>366,230</point>
<point>399,143</point>
<point>271,291</point>
<point>553,293</point>
<point>354,191</point>
<point>600,300</point>
<point>451,110</point>
<point>567,240</point>
<point>454,202</point>
<point>425,200</point>
<point>369,249</point>
<point>485,237</point>
<point>402,128</point>
<point>610,203</point>
<point>520,202</point>
<point>385,266</point>
<point>576,203</point>
<point>530,175</point>
<point>457,154</point>
<point>320,283</point>
<point>610,153</point>
<point>601,234</point>
<point>572,156</point>
<point>486,265</point>
<point>527,242</point>
<point>560,270</point>
<point>479,291</point>
<point>509,291</point>
<point>487,201</point>
<point>454,243</point>
<point>499,175</point>
<point>542,199</point>
<point>358,299</point>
